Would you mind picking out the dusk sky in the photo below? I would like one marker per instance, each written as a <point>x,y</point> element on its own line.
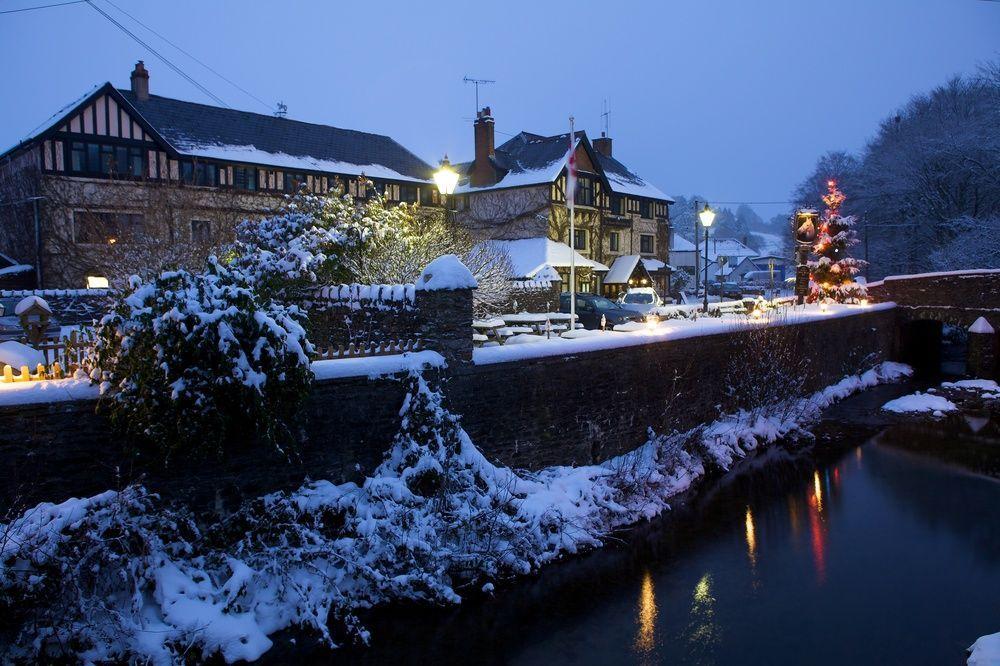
<point>731,100</point>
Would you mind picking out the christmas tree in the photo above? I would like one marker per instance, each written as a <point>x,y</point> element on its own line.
<point>832,272</point>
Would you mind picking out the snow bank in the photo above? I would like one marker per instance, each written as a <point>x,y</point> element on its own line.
<point>671,329</point>
<point>920,403</point>
<point>18,354</point>
<point>985,651</point>
<point>50,390</point>
<point>446,272</point>
<point>377,366</point>
<point>973,385</point>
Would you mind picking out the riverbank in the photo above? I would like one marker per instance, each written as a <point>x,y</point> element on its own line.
<point>766,562</point>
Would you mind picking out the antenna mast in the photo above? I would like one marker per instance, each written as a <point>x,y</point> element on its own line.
<point>606,115</point>
<point>282,110</point>
<point>476,82</point>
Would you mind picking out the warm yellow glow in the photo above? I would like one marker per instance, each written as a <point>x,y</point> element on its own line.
<point>864,302</point>
<point>707,216</point>
<point>651,322</point>
<point>757,315</point>
<point>703,590</point>
<point>751,538</point>
<point>445,177</point>
<point>823,307</point>
<point>112,240</point>
<point>818,490</point>
<point>645,636</point>
<point>96,282</point>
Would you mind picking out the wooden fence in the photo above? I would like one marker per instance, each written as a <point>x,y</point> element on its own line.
<point>63,357</point>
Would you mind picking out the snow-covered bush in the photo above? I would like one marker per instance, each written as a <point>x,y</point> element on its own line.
<point>307,242</point>
<point>198,361</point>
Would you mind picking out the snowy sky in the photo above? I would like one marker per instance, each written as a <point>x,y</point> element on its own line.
<point>733,100</point>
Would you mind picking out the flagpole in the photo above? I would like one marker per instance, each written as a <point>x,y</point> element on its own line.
<point>570,196</point>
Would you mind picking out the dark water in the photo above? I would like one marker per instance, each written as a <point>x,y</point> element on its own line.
<point>846,554</point>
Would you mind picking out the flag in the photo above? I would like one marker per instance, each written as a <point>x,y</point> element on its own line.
<point>571,166</point>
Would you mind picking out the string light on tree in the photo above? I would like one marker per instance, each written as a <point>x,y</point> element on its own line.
<point>832,271</point>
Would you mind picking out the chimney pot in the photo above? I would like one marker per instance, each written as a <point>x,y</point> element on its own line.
<point>140,82</point>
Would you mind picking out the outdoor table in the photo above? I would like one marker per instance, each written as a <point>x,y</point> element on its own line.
<point>487,327</point>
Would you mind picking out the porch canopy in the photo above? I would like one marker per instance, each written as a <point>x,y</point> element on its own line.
<point>529,257</point>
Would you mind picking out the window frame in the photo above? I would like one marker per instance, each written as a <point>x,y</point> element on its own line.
<point>614,241</point>
<point>652,243</point>
<point>580,233</point>
<point>119,236</point>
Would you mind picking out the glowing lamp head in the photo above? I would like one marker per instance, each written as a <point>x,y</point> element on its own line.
<point>707,216</point>
<point>446,178</point>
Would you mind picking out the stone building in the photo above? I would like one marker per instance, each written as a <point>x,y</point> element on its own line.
<point>123,178</point>
<point>517,191</point>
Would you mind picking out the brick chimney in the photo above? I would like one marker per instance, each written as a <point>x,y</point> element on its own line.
<point>140,82</point>
<point>483,172</point>
<point>603,145</point>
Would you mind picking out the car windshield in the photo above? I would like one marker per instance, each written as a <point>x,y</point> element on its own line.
<point>638,298</point>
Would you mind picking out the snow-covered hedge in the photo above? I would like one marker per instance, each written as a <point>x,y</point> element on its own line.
<point>196,361</point>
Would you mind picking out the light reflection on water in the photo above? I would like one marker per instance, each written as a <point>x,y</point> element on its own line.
<point>645,636</point>
<point>751,538</point>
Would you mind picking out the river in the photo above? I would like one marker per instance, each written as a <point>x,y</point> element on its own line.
<point>854,550</point>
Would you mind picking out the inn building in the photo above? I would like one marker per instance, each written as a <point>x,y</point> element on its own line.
<point>123,173</point>
<point>517,191</point>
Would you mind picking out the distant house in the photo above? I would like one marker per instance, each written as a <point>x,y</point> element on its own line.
<point>724,255</point>
<point>683,254</point>
<point>782,267</point>
<point>126,168</point>
<point>517,191</point>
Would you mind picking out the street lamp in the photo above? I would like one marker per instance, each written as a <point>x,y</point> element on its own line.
<point>446,180</point>
<point>707,216</point>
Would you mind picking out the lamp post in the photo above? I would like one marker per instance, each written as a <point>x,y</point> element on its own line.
<point>707,216</point>
<point>446,179</point>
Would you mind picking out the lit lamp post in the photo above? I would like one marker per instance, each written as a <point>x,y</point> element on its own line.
<point>707,216</point>
<point>446,180</point>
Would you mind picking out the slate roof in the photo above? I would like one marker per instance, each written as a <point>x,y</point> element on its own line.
<point>189,125</point>
<point>533,159</point>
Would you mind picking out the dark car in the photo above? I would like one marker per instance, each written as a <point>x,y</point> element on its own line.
<point>590,308</point>
<point>731,290</point>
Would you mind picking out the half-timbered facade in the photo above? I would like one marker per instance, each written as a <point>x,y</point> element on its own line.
<point>124,168</point>
<point>518,190</point>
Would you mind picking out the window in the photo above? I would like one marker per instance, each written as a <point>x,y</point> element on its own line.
<point>429,196</point>
<point>106,159</point>
<point>632,205</point>
<point>106,227</point>
<point>584,194</point>
<point>614,241</point>
<point>617,204</point>
<point>408,193</point>
<point>580,239</point>
<point>201,231</point>
<point>245,178</point>
<point>644,209</point>
<point>293,181</point>
<point>646,243</point>
<point>199,173</point>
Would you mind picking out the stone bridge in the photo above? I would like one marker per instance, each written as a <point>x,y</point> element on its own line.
<point>928,301</point>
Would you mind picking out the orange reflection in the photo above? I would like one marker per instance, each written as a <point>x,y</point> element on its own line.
<point>751,538</point>
<point>793,515</point>
<point>645,637</point>
<point>817,531</point>
<point>857,455</point>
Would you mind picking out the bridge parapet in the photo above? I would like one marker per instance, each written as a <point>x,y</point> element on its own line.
<point>954,297</point>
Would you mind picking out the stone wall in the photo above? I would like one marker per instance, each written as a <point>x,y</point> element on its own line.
<point>957,298</point>
<point>570,409</point>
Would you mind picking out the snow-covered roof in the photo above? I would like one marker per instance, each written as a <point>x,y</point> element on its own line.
<point>625,181</point>
<point>680,244</point>
<point>529,256</point>
<point>621,269</point>
<point>533,159</point>
<point>202,130</point>
<point>727,247</point>
<point>653,265</point>
<point>29,302</point>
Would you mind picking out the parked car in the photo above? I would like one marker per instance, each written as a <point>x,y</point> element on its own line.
<point>640,299</point>
<point>591,307</point>
<point>730,290</point>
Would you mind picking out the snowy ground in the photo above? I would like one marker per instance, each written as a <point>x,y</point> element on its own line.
<point>122,575</point>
